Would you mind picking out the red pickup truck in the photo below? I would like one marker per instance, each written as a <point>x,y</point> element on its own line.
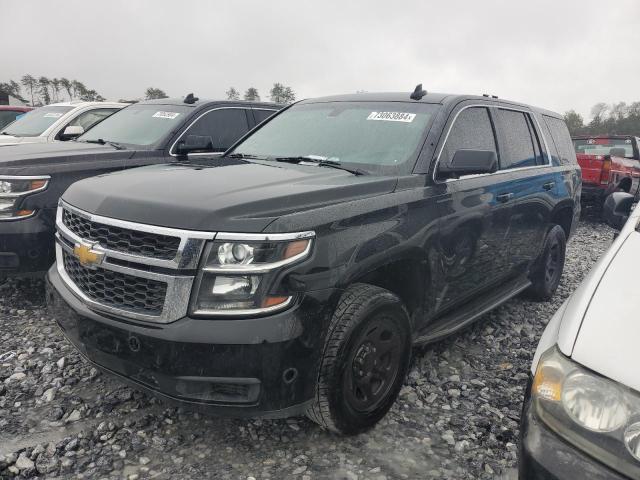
<point>609,163</point>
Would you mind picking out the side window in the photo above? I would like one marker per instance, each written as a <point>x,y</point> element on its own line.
<point>562,140</point>
<point>88,119</point>
<point>261,115</point>
<point>472,130</point>
<point>521,147</point>
<point>223,126</point>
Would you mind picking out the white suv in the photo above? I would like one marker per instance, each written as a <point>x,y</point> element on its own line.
<point>58,121</point>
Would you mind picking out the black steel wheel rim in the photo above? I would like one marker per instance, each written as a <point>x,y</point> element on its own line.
<point>373,364</point>
<point>552,267</point>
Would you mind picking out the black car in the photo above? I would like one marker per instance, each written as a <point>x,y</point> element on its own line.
<point>295,273</point>
<point>33,176</point>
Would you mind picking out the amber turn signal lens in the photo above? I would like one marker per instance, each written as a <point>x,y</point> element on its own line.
<point>273,301</point>
<point>36,184</point>
<point>24,213</point>
<point>296,248</point>
<point>547,383</point>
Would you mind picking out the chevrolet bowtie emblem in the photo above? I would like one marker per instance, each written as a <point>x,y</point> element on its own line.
<point>87,256</point>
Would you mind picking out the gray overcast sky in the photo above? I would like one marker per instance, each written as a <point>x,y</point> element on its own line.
<point>557,54</point>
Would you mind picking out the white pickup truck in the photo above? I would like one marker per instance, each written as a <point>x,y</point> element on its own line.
<point>58,121</point>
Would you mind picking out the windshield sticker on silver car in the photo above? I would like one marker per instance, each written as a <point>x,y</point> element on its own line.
<point>169,115</point>
<point>392,116</point>
<point>52,115</point>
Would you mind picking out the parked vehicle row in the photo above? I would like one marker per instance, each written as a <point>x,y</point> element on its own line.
<point>33,176</point>
<point>290,268</point>
<point>294,273</point>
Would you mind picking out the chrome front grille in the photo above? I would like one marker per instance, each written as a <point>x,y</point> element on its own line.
<point>137,271</point>
<point>122,239</point>
<point>127,292</point>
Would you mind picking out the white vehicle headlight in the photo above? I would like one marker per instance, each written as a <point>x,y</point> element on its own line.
<point>594,403</point>
<point>238,271</point>
<point>12,191</point>
<point>594,413</point>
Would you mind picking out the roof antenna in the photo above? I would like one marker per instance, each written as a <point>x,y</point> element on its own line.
<point>418,93</point>
<point>190,99</point>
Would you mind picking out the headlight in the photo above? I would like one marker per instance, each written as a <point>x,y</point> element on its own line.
<point>594,413</point>
<point>12,191</point>
<point>237,272</point>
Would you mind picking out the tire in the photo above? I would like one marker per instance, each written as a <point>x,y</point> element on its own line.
<point>547,271</point>
<point>369,328</point>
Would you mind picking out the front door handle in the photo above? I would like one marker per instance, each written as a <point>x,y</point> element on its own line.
<point>504,197</point>
<point>549,185</point>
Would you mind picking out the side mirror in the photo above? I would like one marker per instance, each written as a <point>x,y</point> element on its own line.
<point>470,162</point>
<point>194,143</point>
<point>617,208</point>
<point>72,131</point>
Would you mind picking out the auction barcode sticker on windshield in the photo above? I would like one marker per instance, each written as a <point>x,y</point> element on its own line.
<point>392,116</point>
<point>52,115</point>
<point>169,115</point>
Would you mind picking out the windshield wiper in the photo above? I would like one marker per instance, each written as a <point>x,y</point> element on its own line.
<point>244,155</point>
<point>320,162</point>
<point>100,141</point>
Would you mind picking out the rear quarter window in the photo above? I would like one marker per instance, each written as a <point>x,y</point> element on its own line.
<point>562,140</point>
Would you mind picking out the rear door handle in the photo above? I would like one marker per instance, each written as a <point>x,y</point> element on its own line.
<point>549,185</point>
<point>504,197</point>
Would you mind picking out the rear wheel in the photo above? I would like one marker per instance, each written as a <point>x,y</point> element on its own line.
<point>546,273</point>
<point>364,362</point>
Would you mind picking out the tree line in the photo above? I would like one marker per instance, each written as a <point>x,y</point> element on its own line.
<point>40,91</point>
<point>606,119</point>
<point>279,93</point>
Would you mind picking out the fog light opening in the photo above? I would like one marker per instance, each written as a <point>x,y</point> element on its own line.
<point>289,375</point>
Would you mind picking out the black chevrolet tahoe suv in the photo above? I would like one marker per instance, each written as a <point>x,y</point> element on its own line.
<point>33,176</point>
<point>295,273</point>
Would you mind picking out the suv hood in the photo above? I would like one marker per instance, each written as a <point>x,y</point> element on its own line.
<point>607,341</point>
<point>55,157</point>
<point>231,195</point>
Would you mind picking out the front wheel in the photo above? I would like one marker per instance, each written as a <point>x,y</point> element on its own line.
<point>364,362</point>
<point>546,273</point>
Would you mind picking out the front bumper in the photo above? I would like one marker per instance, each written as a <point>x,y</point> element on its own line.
<point>244,367</point>
<point>545,456</point>
<point>27,246</point>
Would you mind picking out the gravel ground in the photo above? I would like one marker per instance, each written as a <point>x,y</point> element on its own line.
<point>457,416</point>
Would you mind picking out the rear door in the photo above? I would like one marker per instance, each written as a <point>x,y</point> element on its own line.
<point>531,184</point>
<point>475,213</point>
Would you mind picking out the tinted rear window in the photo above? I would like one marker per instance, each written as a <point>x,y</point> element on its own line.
<point>521,146</point>
<point>562,140</point>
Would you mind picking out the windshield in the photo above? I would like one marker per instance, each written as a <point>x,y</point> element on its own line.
<point>604,146</point>
<point>140,125</point>
<point>378,136</point>
<point>36,121</point>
